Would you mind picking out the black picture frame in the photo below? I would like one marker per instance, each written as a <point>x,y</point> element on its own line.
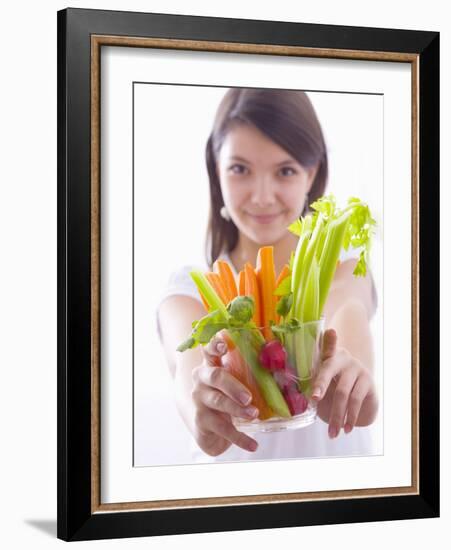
<point>79,514</point>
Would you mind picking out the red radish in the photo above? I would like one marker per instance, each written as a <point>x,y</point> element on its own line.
<point>297,402</point>
<point>273,356</point>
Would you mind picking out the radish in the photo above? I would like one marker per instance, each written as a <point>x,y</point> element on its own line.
<point>273,356</point>
<point>297,402</point>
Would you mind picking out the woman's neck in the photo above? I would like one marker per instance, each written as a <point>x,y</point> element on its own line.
<point>246,251</point>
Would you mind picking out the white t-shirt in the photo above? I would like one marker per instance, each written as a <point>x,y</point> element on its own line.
<point>310,441</point>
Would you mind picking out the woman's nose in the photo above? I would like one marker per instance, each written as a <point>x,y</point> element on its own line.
<point>263,192</point>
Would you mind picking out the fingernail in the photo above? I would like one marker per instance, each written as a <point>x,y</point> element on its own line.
<point>251,411</point>
<point>245,398</point>
<point>348,428</point>
<point>253,445</point>
<point>332,431</point>
<point>316,392</point>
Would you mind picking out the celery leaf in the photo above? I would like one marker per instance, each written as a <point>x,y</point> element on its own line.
<point>296,227</point>
<point>326,205</point>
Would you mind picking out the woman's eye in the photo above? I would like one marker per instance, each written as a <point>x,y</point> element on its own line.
<point>237,168</point>
<point>289,169</point>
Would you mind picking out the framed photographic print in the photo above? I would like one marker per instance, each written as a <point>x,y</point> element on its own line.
<point>273,188</point>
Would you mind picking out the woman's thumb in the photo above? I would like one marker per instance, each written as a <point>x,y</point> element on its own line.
<point>213,351</point>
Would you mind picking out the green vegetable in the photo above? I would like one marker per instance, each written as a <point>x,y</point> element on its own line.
<point>322,235</point>
<point>241,308</point>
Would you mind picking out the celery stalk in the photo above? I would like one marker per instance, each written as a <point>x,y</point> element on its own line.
<point>209,293</point>
<point>330,255</point>
<point>310,252</point>
<point>310,302</point>
<point>297,263</point>
<point>309,310</point>
<point>321,240</point>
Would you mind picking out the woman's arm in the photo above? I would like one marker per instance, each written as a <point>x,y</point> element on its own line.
<point>176,314</point>
<point>348,311</point>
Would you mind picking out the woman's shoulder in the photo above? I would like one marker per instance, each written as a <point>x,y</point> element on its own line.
<point>180,282</point>
<point>364,287</point>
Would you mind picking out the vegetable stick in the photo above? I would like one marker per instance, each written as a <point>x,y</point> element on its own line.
<point>215,280</point>
<point>224,282</point>
<point>266,275</point>
<point>329,257</point>
<point>241,285</point>
<point>251,287</point>
<point>228,279</point>
<point>306,267</point>
<point>237,366</point>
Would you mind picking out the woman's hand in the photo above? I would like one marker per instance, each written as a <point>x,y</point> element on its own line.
<point>217,395</point>
<point>343,388</point>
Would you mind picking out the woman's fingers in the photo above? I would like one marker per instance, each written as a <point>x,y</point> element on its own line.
<point>352,385</point>
<point>358,395</point>
<point>215,399</point>
<point>220,424</point>
<point>328,370</point>
<point>218,396</point>
<point>219,379</point>
<point>340,401</point>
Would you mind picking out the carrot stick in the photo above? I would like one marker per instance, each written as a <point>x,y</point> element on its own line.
<point>215,280</point>
<point>227,277</point>
<point>266,274</point>
<point>241,285</point>
<point>252,288</point>
<point>235,364</point>
<point>283,273</point>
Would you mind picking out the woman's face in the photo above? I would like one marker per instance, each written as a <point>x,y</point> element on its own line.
<point>263,187</point>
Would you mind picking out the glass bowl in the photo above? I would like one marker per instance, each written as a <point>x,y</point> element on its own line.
<point>277,368</point>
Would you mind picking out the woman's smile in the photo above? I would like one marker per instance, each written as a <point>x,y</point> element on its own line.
<point>265,218</point>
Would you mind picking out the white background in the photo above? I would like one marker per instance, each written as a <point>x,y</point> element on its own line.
<point>28,277</point>
<point>353,129</point>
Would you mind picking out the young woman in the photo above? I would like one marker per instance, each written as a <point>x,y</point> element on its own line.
<point>267,161</point>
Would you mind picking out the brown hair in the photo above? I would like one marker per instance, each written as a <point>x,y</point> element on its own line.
<point>288,118</point>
